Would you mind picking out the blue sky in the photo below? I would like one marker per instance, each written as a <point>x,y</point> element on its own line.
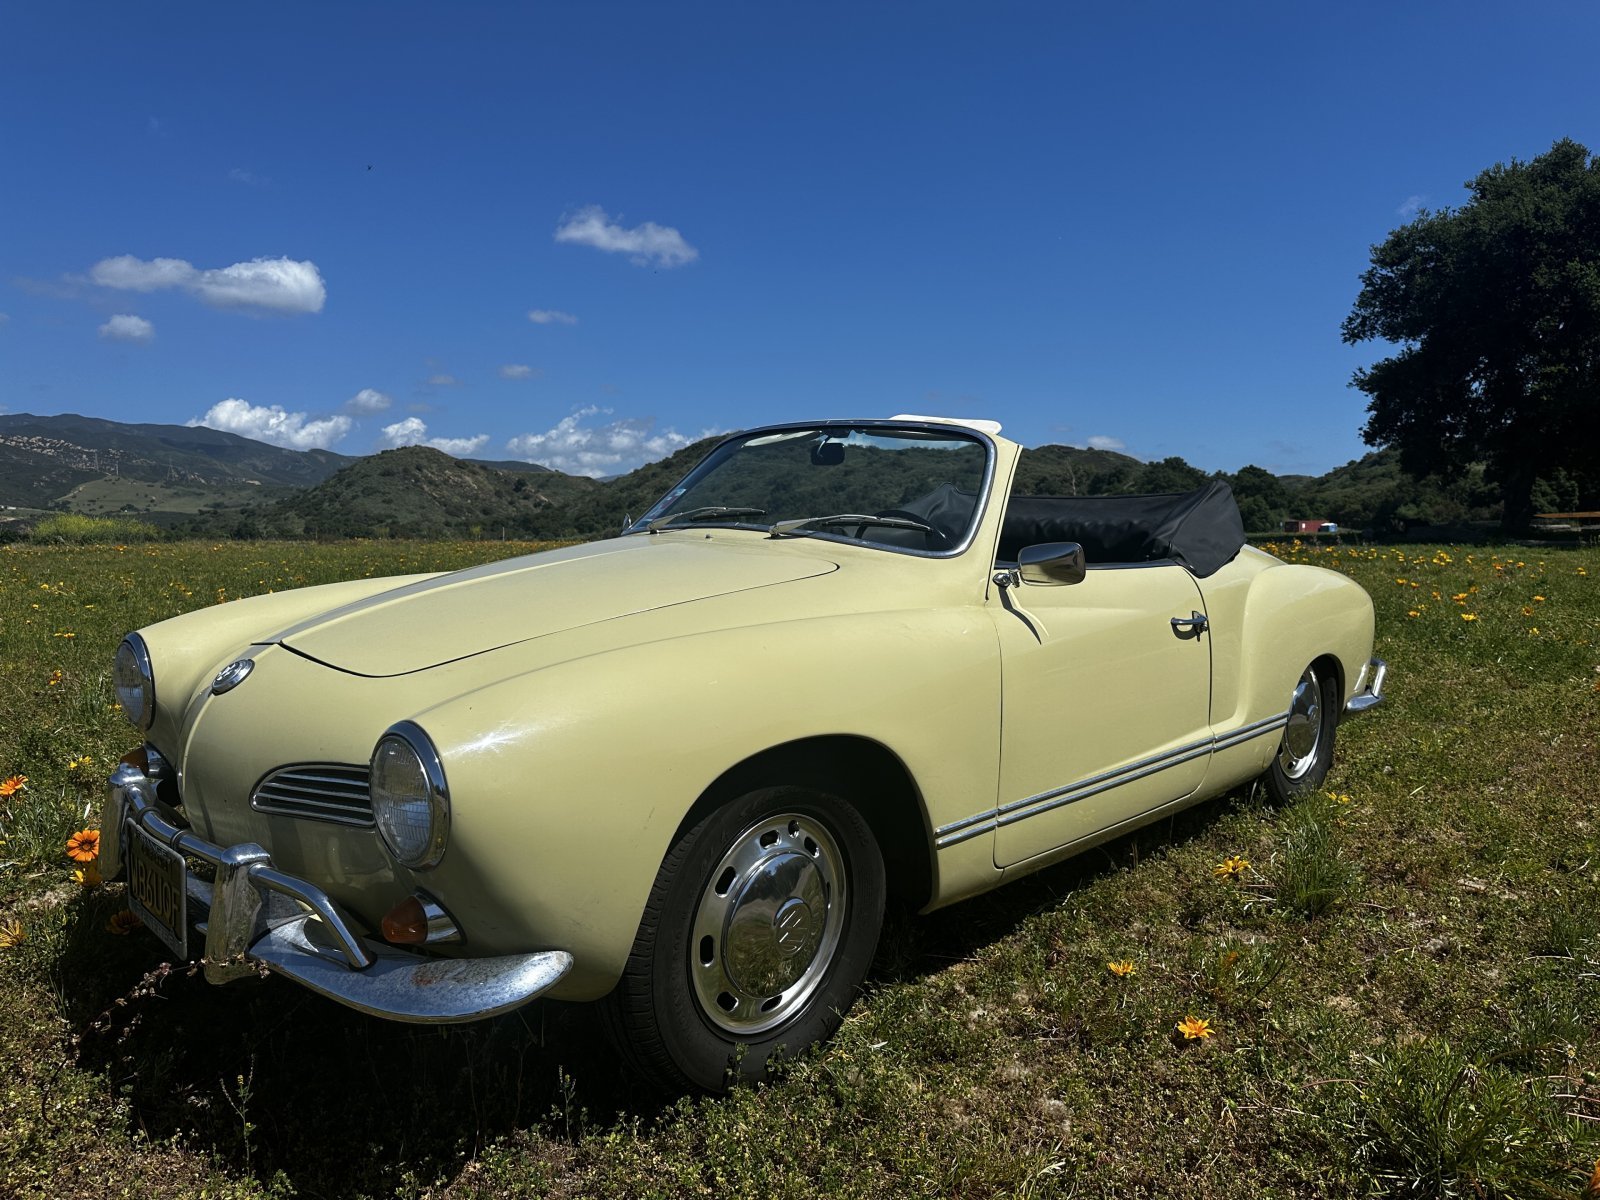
<point>584,234</point>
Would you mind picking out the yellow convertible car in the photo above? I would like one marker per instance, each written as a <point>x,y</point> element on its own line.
<point>681,770</point>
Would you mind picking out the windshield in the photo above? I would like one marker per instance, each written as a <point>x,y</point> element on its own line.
<point>904,489</point>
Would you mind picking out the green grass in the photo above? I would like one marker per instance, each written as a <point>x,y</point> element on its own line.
<point>1402,981</point>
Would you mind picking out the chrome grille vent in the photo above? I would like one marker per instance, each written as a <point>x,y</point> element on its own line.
<point>334,792</point>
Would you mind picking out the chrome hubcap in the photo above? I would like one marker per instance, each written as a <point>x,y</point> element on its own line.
<point>768,924</point>
<point>1303,734</point>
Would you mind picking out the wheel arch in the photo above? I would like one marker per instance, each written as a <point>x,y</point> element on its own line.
<point>859,770</point>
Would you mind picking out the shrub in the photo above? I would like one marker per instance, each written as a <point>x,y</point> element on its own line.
<point>76,529</point>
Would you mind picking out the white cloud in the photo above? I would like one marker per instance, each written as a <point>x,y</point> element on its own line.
<point>1411,206</point>
<point>367,401</point>
<point>413,431</point>
<point>274,284</point>
<point>129,274</point>
<point>518,371</point>
<point>125,327</point>
<point>270,423</point>
<point>1107,443</point>
<point>442,380</point>
<point>601,450</point>
<point>647,245</point>
<point>551,316</point>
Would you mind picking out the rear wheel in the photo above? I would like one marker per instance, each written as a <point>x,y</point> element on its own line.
<point>1306,752</point>
<point>757,935</point>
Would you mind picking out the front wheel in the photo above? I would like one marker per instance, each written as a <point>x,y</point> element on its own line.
<point>758,932</point>
<point>1306,752</point>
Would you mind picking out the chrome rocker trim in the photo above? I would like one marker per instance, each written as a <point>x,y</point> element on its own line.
<point>260,915</point>
<point>1031,806</point>
<point>1369,689</point>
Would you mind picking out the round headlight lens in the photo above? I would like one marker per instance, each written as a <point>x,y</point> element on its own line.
<point>135,685</point>
<point>409,799</point>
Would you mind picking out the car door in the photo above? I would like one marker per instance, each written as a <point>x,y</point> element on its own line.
<point>1105,703</point>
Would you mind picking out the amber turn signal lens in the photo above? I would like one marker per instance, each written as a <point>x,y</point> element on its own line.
<point>406,924</point>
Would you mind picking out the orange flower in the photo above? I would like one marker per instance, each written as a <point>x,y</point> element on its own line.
<point>12,934</point>
<point>84,846</point>
<point>1592,1188</point>
<point>1195,1028</point>
<point>122,922</point>
<point>13,785</point>
<point>1122,969</point>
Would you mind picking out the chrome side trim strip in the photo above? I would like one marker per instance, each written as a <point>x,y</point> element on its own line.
<point>1020,810</point>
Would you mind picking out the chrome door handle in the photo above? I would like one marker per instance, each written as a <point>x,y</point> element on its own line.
<point>1195,623</point>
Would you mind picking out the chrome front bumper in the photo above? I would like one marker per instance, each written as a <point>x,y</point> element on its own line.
<point>1369,688</point>
<point>258,916</point>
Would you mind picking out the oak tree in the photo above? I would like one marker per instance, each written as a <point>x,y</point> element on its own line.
<point>1495,309</point>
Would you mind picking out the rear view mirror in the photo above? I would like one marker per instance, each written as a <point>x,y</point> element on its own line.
<point>827,454</point>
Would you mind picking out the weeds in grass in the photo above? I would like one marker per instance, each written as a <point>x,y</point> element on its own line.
<point>1310,870</point>
<point>1431,1122</point>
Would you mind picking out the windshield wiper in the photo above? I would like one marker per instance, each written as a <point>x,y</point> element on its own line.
<point>847,519</point>
<point>701,514</point>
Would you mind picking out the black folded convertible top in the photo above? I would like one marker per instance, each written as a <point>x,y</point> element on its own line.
<point>1200,530</point>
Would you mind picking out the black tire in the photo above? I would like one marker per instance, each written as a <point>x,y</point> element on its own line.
<point>1305,752</point>
<point>761,925</point>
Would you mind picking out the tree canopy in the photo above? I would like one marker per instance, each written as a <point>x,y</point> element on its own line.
<point>1495,307</point>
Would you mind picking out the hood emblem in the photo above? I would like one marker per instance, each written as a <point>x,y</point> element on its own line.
<point>232,675</point>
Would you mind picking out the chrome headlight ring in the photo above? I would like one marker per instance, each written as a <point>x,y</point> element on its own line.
<point>134,682</point>
<point>410,798</point>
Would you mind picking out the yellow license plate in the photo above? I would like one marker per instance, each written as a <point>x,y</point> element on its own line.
<point>156,876</point>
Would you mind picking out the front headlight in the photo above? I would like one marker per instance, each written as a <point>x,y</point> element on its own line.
<point>410,801</point>
<point>134,682</point>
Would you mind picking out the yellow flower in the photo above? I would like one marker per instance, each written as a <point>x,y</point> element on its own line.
<point>1527,610</point>
<point>12,934</point>
<point>1539,599</point>
<point>84,846</point>
<point>1469,616</point>
<point>65,634</point>
<point>1122,969</point>
<point>1229,867</point>
<point>55,678</point>
<point>83,761</point>
<point>87,876</point>
<point>1194,1028</point>
<point>1413,613</point>
<point>120,923</point>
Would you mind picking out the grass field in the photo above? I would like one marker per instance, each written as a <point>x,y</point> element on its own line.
<point>1399,978</point>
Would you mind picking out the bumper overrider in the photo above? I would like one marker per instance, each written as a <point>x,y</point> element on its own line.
<point>252,916</point>
<point>1369,688</point>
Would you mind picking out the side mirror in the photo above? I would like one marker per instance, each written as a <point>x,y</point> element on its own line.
<point>1051,563</point>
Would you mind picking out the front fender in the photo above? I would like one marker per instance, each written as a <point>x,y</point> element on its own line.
<point>569,783</point>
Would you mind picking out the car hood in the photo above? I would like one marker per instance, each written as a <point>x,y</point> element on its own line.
<point>451,617</point>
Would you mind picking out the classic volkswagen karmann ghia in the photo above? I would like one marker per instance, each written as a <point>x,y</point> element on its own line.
<point>680,771</point>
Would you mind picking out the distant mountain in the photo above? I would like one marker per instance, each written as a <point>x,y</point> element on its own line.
<point>210,483</point>
<point>420,492</point>
<point>162,454</point>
